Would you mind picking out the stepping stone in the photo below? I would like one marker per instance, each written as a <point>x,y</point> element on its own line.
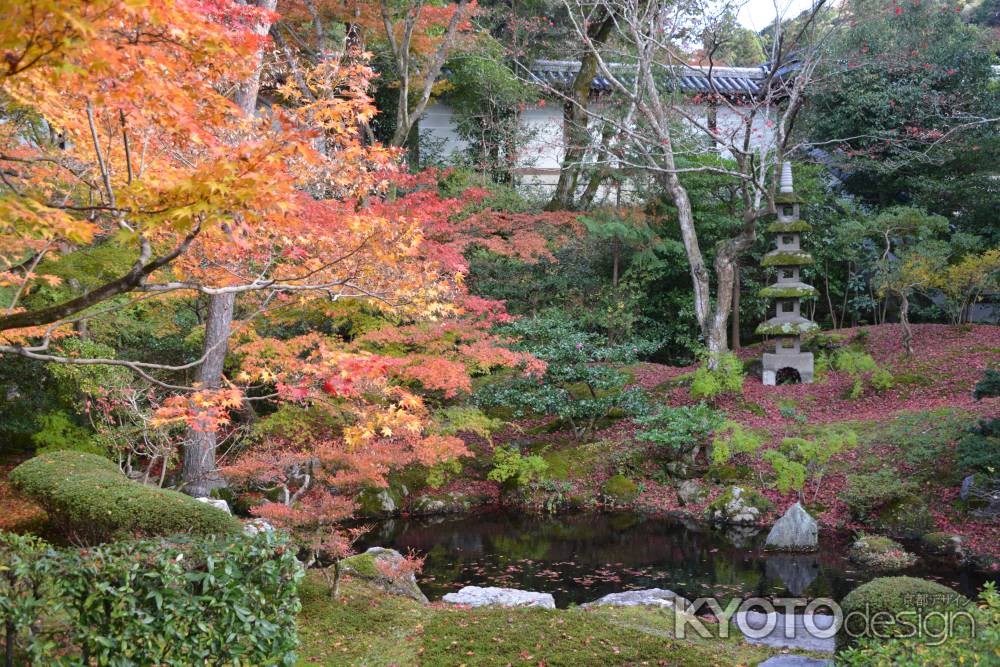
<point>476,596</point>
<point>796,636</point>
<point>795,661</point>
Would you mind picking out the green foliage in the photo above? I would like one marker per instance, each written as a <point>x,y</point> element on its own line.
<point>581,384</point>
<point>89,498</point>
<point>170,601</point>
<point>988,386</point>
<point>58,431</point>
<point>960,648</point>
<point>867,492</point>
<point>456,419</point>
<point>679,433</point>
<point>863,369</point>
<point>893,595</point>
<point>512,469</point>
<point>725,378</point>
<point>979,449</point>
<point>789,474</point>
<point>733,439</point>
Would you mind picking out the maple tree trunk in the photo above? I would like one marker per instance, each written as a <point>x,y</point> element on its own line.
<point>904,319</point>
<point>200,474</point>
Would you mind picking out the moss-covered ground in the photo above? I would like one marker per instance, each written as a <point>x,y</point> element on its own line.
<point>367,627</point>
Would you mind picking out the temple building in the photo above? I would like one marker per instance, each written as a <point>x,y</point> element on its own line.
<point>787,363</point>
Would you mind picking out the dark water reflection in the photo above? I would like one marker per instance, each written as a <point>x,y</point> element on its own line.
<point>580,557</point>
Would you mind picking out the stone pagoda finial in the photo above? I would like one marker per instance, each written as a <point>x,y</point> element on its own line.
<point>788,324</point>
<point>786,177</point>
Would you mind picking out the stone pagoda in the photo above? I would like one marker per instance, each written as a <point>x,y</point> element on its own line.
<point>788,362</point>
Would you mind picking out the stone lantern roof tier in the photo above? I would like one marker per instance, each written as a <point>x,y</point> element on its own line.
<point>786,258</point>
<point>788,291</point>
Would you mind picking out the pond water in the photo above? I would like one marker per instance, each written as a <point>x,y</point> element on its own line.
<point>580,557</point>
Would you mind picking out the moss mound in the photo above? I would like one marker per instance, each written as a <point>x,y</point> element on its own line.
<point>881,553</point>
<point>88,498</point>
<point>899,602</point>
<point>620,489</point>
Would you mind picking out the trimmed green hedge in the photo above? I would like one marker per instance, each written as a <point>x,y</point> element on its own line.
<point>888,597</point>
<point>88,498</point>
<point>179,601</point>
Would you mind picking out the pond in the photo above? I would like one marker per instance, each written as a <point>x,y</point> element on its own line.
<point>580,557</point>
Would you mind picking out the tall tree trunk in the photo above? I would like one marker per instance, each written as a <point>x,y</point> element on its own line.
<point>904,319</point>
<point>576,134</point>
<point>200,473</point>
<point>734,333</point>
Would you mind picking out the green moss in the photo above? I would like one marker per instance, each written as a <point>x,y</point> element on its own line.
<point>788,198</point>
<point>786,258</point>
<point>620,489</point>
<point>907,517</point>
<point>779,227</point>
<point>367,627</point>
<point>786,328</point>
<point>787,292</point>
<point>881,553</point>
<point>88,498</point>
<point>941,544</point>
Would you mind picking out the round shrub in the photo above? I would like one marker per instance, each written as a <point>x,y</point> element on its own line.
<point>899,602</point>
<point>88,498</point>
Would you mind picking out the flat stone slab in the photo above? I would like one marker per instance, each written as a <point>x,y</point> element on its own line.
<point>477,596</point>
<point>789,631</point>
<point>795,661</point>
<point>654,597</point>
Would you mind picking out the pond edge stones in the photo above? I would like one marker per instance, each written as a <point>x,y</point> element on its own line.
<point>478,596</point>
<point>796,530</point>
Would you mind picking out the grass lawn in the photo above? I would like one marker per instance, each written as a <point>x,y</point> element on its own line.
<point>370,628</point>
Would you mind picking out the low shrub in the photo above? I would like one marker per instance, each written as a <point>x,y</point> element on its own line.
<point>177,601</point>
<point>88,498</point>
<point>725,378</point>
<point>979,449</point>
<point>870,491</point>
<point>958,648</point>
<point>512,469</point>
<point>898,601</point>
<point>679,433</point>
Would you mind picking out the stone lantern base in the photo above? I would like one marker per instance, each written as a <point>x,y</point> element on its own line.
<point>775,361</point>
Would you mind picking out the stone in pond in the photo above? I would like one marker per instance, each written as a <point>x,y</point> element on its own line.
<point>815,633</point>
<point>795,531</point>
<point>217,503</point>
<point>795,661</point>
<point>657,597</point>
<point>736,506</point>
<point>477,596</point>
<point>690,492</point>
<point>383,567</point>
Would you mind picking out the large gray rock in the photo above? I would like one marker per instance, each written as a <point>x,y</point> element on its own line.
<point>794,531</point>
<point>653,597</point>
<point>795,661</point>
<point>217,503</point>
<point>384,568</point>
<point>476,596</point>
<point>789,631</point>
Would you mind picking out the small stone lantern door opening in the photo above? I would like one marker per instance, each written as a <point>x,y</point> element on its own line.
<point>786,363</point>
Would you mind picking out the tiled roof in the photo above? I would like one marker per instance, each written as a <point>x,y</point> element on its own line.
<point>689,78</point>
